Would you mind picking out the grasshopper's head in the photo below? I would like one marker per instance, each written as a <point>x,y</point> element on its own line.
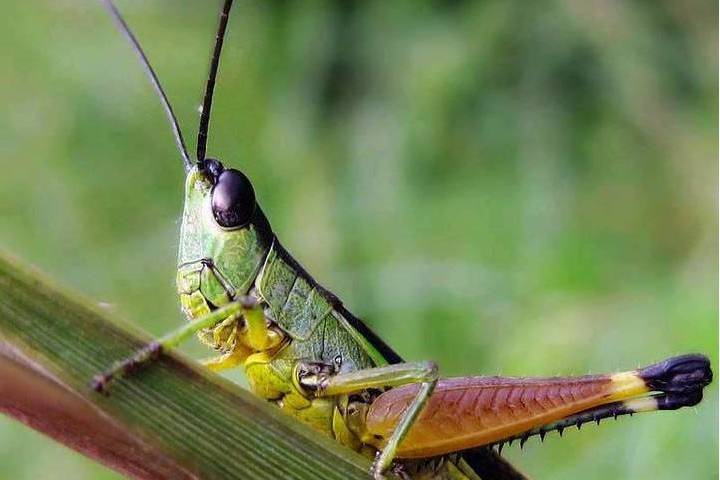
<point>225,237</point>
<point>223,224</point>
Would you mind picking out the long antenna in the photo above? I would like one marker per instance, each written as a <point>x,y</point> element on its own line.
<point>123,27</point>
<point>210,85</point>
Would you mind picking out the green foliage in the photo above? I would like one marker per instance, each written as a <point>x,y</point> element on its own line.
<point>524,188</point>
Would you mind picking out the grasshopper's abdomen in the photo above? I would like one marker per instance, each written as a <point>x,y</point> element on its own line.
<point>468,412</point>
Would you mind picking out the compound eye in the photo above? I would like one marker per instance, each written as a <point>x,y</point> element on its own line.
<point>233,199</point>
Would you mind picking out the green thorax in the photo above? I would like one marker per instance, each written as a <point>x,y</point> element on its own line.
<point>320,327</point>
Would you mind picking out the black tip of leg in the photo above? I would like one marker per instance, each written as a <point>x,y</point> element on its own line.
<point>673,401</point>
<point>684,374</point>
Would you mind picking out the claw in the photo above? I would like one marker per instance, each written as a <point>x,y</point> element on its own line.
<point>101,382</point>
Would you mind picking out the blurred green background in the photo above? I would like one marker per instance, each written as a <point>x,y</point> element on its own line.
<point>524,188</point>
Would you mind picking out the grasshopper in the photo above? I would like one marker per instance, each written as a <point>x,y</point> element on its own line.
<point>245,296</point>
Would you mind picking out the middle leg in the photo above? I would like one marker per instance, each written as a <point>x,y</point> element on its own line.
<point>321,383</point>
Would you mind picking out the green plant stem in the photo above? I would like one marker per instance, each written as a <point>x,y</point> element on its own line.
<point>171,420</point>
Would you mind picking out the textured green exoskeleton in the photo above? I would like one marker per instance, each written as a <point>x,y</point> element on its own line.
<point>246,297</point>
<point>304,350</point>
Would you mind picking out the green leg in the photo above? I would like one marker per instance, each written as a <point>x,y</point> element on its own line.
<point>219,329</point>
<point>153,350</point>
<point>257,335</point>
<point>226,361</point>
<point>424,373</point>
